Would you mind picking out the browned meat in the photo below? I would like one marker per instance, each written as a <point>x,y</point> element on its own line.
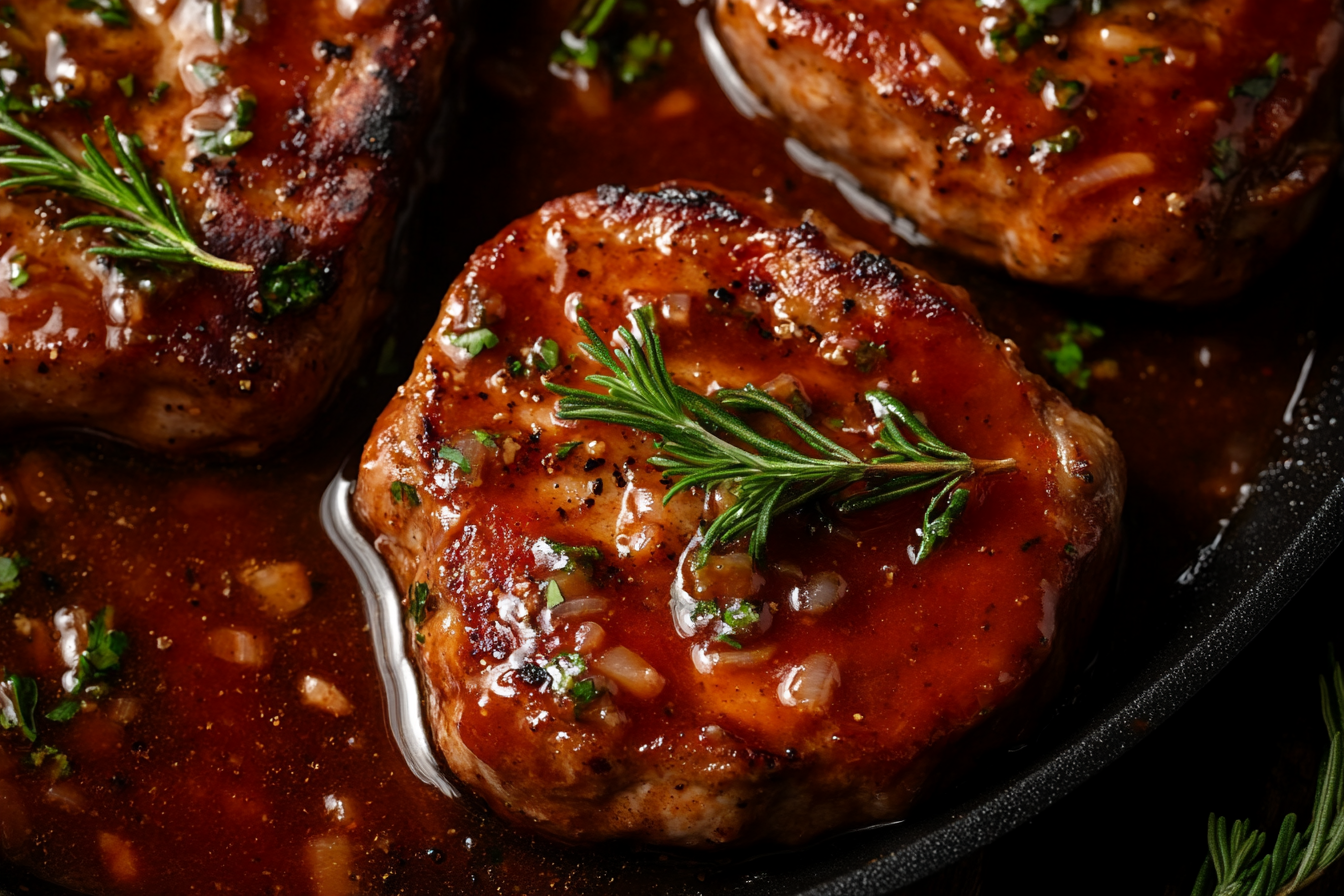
<point>581,689</point>
<point>1167,151</point>
<point>182,358</point>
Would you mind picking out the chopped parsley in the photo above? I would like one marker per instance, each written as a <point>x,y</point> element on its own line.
<point>868,355</point>
<point>546,354</point>
<point>583,693</point>
<point>730,641</point>
<point>208,73</point>
<point>1065,141</point>
<point>452,455</point>
<point>10,566</point>
<point>292,286</point>
<point>112,12</point>
<point>643,54</point>
<point>573,552</point>
<point>1257,87</point>
<point>9,17</point>
<point>473,342</point>
<point>485,438</point>
<point>705,609</point>
<point>565,670</point>
<point>21,711</point>
<point>102,656</point>
<point>1056,92</point>
<point>60,763</point>
<point>1067,357</point>
<point>1156,55</point>
<point>553,596</point>
<point>233,135</point>
<point>127,85</point>
<point>1226,159</point>
<point>159,90</point>
<point>64,711</point>
<point>741,614</point>
<point>18,270</point>
<point>417,599</point>
<point>404,493</point>
<point>563,450</point>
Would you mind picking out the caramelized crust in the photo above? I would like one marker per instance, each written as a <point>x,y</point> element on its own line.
<point>824,718</point>
<point>1175,190</point>
<point>189,359</point>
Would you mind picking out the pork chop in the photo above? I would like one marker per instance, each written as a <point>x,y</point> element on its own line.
<point>1166,151</point>
<point>285,132</point>
<point>582,673</point>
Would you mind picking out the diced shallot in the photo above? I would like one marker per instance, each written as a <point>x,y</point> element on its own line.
<point>631,671</point>
<point>588,638</point>
<point>65,795</point>
<point>706,660</point>
<point>579,608</point>
<point>818,594</point>
<point>122,710</point>
<point>236,645</point>
<point>810,684</point>
<point>323,695</point>
<point>329,865</point>
<point>726,575</point>
<point>282,589</point>
<point>1111,169</point>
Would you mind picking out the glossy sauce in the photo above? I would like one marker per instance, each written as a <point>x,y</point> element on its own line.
<point>221,780</point>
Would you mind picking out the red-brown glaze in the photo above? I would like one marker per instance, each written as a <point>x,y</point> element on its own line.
<point>185,360</point>
<point>924,652</point>
<point>917,103</point>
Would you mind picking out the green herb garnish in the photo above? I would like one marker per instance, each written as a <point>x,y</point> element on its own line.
<point>573,552</point>
<point>1156,55</point>
<point>730,641</point>
<point>546,354</point>
<point>60,763</point>
<point>565,670</point>
<point>64,711</point>
<point>642,54</point>
<point>1260,86</point>
<point>227,140</point>
<point>147,221</point>
<point>102,656</point>
<point>10,567</point>
<point>159,90</point>
<point>705,609</point>
<point>22,714</point>
<point>554,597</point>
<point>416,600</point>
<point>741,614</point>
<point>292,286</point>
<point>217,20</point>
<point>452,455</point>
<point>473,342</point>
<point>1065,141</point>
<point>1067,358</point>
<point>18,272</point>
<point>770,477</point>
<point>484,438</point>
<point>1237,864</point>
<point>564,449</point>
<point>208,73</point>
<point>127,85</point>
<point>404,493</point>
<point>112,12</point>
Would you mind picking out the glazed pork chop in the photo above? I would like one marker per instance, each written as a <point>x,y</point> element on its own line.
<point>1168,151</point>
<point>584,672</point>
<point>283,131</point>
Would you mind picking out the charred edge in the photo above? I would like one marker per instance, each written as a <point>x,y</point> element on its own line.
<point>708,205</point>
<point>877,267</point>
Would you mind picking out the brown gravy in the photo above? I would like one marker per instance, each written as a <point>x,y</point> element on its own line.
<point>198,774</point>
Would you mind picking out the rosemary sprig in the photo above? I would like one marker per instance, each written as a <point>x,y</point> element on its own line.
<point>1237,865</point>
<point>769,477</point>
<point>146,219</point>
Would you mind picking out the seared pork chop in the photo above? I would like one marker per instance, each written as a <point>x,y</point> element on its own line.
<point>1167,151</point>
<point>582,673</point>
<point>284,131</point>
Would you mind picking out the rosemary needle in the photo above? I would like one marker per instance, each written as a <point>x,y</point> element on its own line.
<point>769,477</point>
<point>1235,865</point>
<point>145,219</point>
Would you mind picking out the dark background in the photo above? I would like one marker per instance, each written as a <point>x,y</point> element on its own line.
<point>1247,747</point>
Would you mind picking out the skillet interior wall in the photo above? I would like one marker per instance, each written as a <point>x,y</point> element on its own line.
<point>1195,406</point>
